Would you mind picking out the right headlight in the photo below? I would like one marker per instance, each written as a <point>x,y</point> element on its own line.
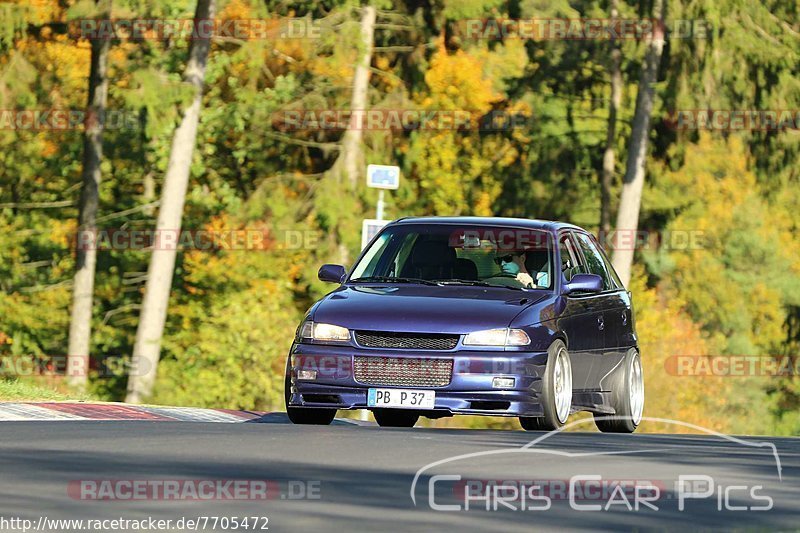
<point>318,331</point>
<point>497,337</point>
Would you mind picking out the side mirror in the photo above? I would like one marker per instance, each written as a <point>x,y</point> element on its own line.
<point>584,283</point>
<point>332,273</point>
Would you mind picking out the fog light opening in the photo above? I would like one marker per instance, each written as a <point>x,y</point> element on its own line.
<point>502,383</point>
<point>306,374</point>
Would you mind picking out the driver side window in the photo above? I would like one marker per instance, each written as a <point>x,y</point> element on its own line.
<point>569,262</point>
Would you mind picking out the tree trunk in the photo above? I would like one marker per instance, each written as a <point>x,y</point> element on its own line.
<point>352,154</point>
<point>609,156</point>
<point>162,262</point>
<point>80,326</point>
<point>630,199</point>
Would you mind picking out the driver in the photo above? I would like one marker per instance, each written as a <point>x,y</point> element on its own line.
<point>512,264</point>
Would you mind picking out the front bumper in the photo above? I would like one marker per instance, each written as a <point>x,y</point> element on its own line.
<point>470,390</point>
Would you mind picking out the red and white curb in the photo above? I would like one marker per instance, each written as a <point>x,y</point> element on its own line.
<point>118,411</point>
<point>71,411</point>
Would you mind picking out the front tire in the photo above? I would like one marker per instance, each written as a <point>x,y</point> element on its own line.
<point>305,415</point>
<point>395,418</point>
<point>556,391</point>
<point>627,398</point>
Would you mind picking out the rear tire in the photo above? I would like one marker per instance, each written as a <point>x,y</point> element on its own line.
<point>395,418</point>
<point>305,415</point>
<point>556,391</point>
<point>627,397</point>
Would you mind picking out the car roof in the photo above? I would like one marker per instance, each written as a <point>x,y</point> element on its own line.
<point>548,225</point>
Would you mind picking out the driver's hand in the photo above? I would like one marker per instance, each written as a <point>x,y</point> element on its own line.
<point>525,279</point>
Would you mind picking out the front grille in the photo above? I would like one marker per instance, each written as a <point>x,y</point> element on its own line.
<point>408,341</point>
<point>405,371</point>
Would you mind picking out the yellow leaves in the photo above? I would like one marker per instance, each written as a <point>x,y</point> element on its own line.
<point>295,271</point>
<point>338,74</point>
<point>768,322</point>
<point>62,231</point>
<point>505,61</point>
<point>718,168</point>
<point>455,172</point>
<point>786,224</point>
<point>236,9</point>
<point>439,155</point>
<point>49,148</point>
<point>382,63</point>
<point>455,168</point>
<point>666,331</point>
<point>69,63</point>
<point>483,207</point>
<point>267,287</point>
<point>118,64</point>
<point>739,280</point>
<point>218,223</point>
<point>715,175</point>
<point>42,11</point>
<point>457,82</point>
<point>207,259</point>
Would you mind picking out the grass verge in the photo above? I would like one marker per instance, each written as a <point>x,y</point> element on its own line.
<point>26,391</point>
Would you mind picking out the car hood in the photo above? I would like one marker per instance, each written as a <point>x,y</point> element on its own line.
<point>423,308</point>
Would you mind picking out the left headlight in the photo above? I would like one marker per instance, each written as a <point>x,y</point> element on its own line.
<point>318,331</point>
<point>497,337</point>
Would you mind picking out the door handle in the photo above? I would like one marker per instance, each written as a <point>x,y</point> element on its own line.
<point>600,323</point>
<point>624,318</point>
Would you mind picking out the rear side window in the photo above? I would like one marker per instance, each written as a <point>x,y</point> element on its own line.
<point>594,259</point>
<point>615,281</point>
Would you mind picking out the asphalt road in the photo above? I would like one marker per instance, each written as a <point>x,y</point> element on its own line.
<point>360,477</point>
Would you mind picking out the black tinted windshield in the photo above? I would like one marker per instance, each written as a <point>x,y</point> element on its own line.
<point>459,255</point>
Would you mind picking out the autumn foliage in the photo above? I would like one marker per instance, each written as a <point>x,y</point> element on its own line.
<point>233,313</point>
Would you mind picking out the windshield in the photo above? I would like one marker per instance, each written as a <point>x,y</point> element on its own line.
<point>517,258</point>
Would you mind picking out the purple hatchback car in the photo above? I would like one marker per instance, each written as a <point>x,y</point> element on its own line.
<point>467,315</point>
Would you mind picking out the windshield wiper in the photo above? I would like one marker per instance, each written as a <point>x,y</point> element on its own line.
<point>478,283</point>
<point>465,282</point>
<point>389,279</point>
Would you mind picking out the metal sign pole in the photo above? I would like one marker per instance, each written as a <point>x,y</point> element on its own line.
<point>379,210</point>
<point>380,177</point>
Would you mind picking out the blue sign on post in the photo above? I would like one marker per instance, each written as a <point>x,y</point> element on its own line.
<point>383,176</point>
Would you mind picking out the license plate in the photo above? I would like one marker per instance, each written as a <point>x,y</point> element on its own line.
<point>406,398</point>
